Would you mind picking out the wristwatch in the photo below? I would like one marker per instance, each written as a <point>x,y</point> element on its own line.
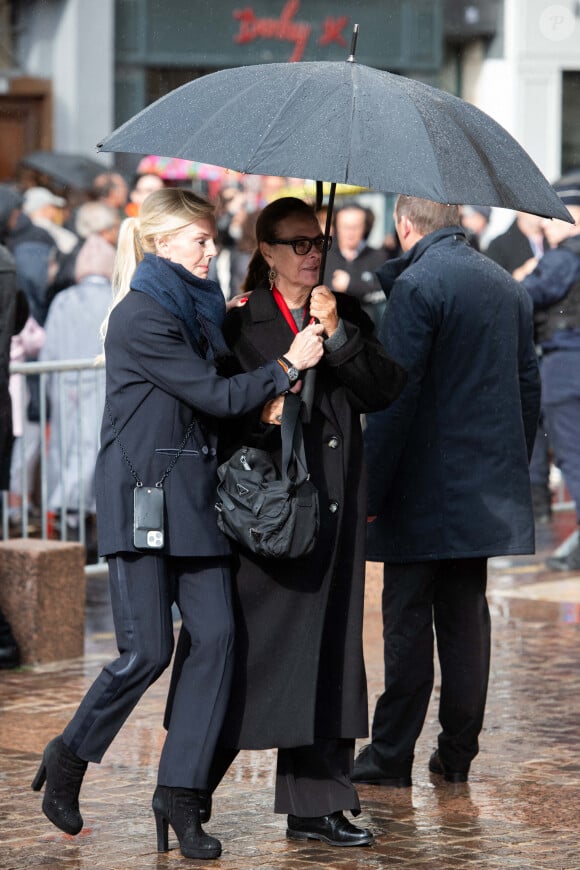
<point>291,371</point>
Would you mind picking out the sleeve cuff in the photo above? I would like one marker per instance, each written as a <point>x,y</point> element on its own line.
<point>337,339</point>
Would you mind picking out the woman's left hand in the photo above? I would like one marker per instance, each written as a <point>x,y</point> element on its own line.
<point>323,308</point>
<point>238,301</point>
<point>272,411</point>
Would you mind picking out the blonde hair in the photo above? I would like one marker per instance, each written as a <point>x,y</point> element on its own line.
<point>162,213</point>
<point>425,215</point>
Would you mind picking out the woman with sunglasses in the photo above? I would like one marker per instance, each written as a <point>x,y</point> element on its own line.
<point>299,681</point>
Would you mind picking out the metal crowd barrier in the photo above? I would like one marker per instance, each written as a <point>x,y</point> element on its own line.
<point>31,452</point>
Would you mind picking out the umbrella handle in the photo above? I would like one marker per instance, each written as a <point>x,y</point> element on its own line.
<point>309,382</point>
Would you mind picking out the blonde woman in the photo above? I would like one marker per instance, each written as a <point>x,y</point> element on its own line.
<point>163,346</point>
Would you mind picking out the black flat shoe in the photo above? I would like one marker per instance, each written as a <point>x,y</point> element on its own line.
<point>333,829</point>
<point>367,771</point>
<point>437,766</point>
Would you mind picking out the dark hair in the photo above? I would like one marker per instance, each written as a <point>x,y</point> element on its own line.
<point>104,184</point>
<point>266,225</point>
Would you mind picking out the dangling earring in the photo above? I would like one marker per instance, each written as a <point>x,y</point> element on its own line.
<point>272,275</point>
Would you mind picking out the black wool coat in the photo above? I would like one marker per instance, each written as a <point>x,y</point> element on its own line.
<point>157,382</point>
<point>448,461</point>
<point>299,669</point>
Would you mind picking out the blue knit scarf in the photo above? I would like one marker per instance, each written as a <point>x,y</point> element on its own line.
<point>199,303</point>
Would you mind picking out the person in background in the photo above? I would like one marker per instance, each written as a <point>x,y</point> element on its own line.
<point>554,287</point>
<point>72,332</point>
<point>299,679</point>
<point>449,483</point>
<point>164,397</point>
<point>110,188</point>
<point>32,247</point>
<point>351,263</point>
<point>46,210</point>
<point>475,221</point>
<point>13,315</point>
<point>34,254</point>
<point>519,250</point>
<point>142,186</point>
<point>23,496</point>
<point>91,218</point>
<point>523,240</point>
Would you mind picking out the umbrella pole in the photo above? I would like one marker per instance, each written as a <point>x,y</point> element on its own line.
<point>309,380</point>
<point>328,227</point>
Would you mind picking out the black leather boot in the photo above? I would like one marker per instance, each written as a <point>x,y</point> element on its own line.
<point>63,772</point>
<point>180,808</point>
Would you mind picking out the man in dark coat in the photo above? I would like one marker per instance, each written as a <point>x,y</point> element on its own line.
<point>13,315</point>
<point>448,482</point>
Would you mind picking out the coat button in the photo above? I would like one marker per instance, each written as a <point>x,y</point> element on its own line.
<point>333,507</point>
<point>333,442</point>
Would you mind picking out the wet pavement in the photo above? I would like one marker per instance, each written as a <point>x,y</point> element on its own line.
<point>520,809</point>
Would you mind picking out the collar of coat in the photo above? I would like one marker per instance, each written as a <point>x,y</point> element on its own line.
<point>263,307</point>
<point>390,271</point>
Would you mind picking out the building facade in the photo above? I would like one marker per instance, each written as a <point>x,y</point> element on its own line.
<point>72,70</point>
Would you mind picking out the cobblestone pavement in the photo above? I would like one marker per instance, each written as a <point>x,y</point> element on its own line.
<point>519,811</point>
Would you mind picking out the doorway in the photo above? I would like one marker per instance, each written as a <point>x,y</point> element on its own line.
<point>25,122</point>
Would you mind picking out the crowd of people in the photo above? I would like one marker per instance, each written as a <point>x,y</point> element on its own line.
<point>458,353</point>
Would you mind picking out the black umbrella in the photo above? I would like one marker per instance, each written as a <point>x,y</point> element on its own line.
<point>347,123</point>
<point>66,170</point>
<point>342,122</point>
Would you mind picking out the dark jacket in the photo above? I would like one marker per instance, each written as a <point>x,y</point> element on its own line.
<point>299,658</point>
<point>510,249</point>
<point>33,248</point>
<point>554,287</point>
<point>13,315</point>
<point>362,270</point>
<point>448,461</point>
<point>157,381</point>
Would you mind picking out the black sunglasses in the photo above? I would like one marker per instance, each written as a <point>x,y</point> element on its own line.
<point>303,246</point>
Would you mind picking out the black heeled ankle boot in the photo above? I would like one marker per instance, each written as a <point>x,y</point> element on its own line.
<point>180,808</point>
<point>63,772</point>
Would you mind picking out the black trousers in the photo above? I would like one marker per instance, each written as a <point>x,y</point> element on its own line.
<point>449,594</point>
<point>310,780</point>
<point>143,589</point>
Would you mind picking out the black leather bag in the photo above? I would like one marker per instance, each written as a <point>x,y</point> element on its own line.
<point>271,512</point>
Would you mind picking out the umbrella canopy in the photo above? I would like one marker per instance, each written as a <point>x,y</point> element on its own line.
<point>67,170</point>
<point>343,122</point>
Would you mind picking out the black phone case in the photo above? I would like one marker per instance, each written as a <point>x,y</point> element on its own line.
<point>148,510</point>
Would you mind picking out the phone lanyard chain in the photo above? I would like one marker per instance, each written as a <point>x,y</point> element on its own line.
<point>180,449</point>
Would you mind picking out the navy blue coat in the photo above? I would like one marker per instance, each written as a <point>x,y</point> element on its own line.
<point>157,381</point>
<point>448,460</point>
